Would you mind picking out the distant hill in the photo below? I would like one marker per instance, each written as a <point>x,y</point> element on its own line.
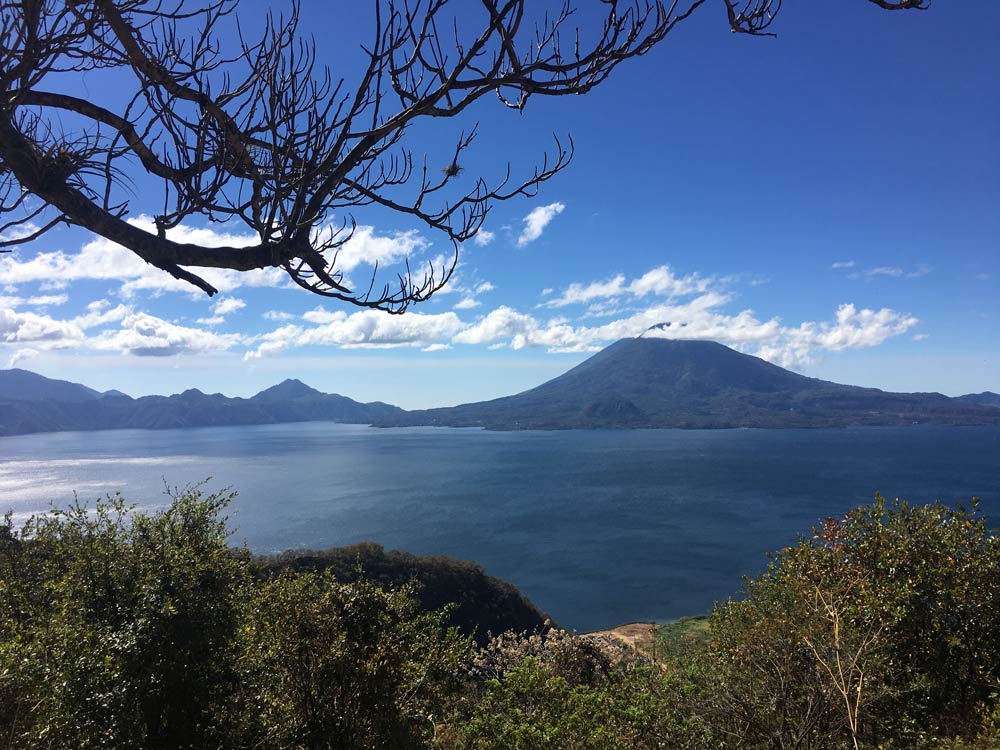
<point>482,604</point>
<point>23,385</point>
<point>33,403</point>
<point>654,382</point>
<point>643,382</point>
<point>986,398</point>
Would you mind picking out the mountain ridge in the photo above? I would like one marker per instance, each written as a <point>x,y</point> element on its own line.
<point>645,382</point>
<point>23,412</point>
<point>986,398</point>
<point>656,383</point>
<point>25,385</point>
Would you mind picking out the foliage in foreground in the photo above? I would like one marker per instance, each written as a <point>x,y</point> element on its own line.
<point>881,628</point>
<point>123,630</point>
<point>130,630</point>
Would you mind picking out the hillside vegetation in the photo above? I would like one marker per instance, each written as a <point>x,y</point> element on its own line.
<point>128,630</point>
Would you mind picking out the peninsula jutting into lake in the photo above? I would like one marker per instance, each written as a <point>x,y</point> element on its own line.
<point>634,383</point>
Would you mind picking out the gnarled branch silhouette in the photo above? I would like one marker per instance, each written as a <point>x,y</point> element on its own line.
<point>255,132</point>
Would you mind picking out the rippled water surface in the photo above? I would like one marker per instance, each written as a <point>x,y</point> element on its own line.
<point>597,527</point>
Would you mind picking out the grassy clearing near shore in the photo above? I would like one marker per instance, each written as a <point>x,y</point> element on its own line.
<point>681,637</point>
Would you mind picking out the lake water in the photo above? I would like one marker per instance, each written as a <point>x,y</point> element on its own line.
<point>596,527</point>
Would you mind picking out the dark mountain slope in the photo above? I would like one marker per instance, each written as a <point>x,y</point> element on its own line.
<point>651,382</point>
<point>986,398</point>
<point>291,401</point>
<point>286,391</point>
<point>22,385</point>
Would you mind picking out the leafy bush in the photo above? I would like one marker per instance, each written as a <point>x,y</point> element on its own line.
<point>635,707</point>
<point>880,628</point>
<point>331,665</point>
<point>129,630</point>
<point>118,630</point>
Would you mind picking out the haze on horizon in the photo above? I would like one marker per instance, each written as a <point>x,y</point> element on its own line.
<point>825,200</point>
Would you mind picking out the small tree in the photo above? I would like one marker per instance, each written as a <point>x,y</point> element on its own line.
<point>880,626</point>
<point>334,665</point>
<point>256,133</point>
<point>117,630</point>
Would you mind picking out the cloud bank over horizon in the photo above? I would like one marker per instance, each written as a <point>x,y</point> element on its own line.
<point>584,316</point>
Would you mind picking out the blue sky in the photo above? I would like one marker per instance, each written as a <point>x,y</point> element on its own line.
<point>828,199</point>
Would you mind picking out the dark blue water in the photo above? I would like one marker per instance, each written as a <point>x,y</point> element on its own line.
<point>596,527</point>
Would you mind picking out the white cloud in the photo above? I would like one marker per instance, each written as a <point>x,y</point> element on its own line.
<point>897,272</point>
<point>221,309</point>
<point>983,277</point>
<point>139,333</point>
<point>20,355</point>
<point>536,221</point>
<point>484,237</point>
<point>920,337</point>
<point>367,248</point>
<point>660,281</point>
<point>679,307</point>
<point>228,305</point>
<point>502,323</point>
<point>844,264</point>
<point>893,271</point>
<point>579,293</point>
<point>20,231</point>
<point>100,315</point>
<point>145,335</point>
<point>321,316</point>
<point>101,259</point>
<point>855,329</point>
<point>701,318</point>
<point>522,330</point>
<point>365,329</point>
<point>47,332</point>
<point>49,299</point>
<point>374,328</point>
<point>10,302</point>
<point>275,341</point>
<point>469,300</point>
<point>38,301</point>
<point>28,327</point>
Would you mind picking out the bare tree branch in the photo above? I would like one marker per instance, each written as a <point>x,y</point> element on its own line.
<point>257,133</point>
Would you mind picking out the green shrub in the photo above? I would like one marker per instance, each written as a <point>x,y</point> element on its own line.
<point>560,692</point>
<point>128,630</point>
<point>333,665</point>
<point>880,628</point>
<point>117,630</point>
